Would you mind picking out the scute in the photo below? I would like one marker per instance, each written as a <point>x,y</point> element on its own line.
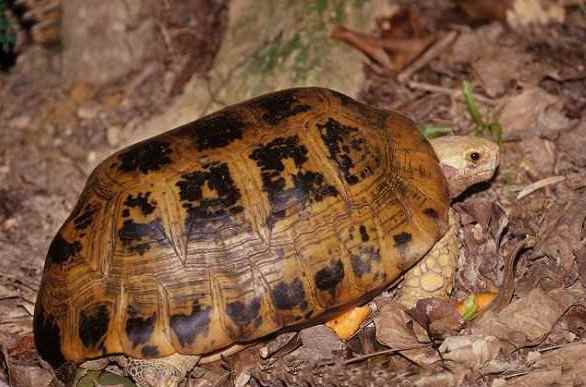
<point>267,214</point>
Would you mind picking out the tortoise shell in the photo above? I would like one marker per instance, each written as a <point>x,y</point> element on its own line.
<point>276,212</point>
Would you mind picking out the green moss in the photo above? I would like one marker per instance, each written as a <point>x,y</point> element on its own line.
<point>7,36</point>
<point>303,49</point>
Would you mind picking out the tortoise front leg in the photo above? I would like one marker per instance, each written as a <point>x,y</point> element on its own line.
<point>433,276</point>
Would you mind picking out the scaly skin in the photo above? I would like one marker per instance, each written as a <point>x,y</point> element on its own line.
<point>433,276</point>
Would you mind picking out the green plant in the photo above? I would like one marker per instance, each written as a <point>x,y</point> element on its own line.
<point>435,131</point>
<point>7,36</point>
<point>482,126</point>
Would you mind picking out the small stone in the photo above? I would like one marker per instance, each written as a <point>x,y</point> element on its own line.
<point>242,379</point>
<point>91,157</point>
<point>113,135</point>
<point>20,122</point>
<point>88,111</point>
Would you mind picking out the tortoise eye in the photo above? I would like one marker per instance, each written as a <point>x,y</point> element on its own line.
<point>475,156</point>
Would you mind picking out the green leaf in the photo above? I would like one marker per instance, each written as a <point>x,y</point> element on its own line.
<point>469,307</point>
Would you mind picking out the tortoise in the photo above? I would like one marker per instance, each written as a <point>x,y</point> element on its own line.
<point>276,213</point>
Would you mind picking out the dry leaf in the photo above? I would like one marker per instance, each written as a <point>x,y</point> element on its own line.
<point>534,112</point>
<point>472,351</point>
<point>560,367</point>
<point>319,342</point>
<point>527,319</point>
<point>439,317</point>
<point>535,12</point>
<point>395,329</point>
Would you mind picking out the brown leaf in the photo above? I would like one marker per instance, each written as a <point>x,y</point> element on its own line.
<point>534,112</point>
<point>319,342</point>
<point>395,329</point>
<point>559,367</point>
<point>402,39</point>
<point>439,317</point>
<point>485,10</point>
<point>540,157</point>
<point>562,239</point>
<point>572,143</point>
<point>484,223</point>
<point>475,352</point>
<point>529,319</point>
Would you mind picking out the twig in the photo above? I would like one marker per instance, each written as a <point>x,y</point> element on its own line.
<point>438,48</point>
<point>448,91</point>
<point>385,352</point>
<point>507,289</point>
<point>539,184</point>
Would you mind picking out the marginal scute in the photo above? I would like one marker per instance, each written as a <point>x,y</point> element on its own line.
<point>150,351</point>
<point>188,327</point>
<point>328,278</point>
<point>432,213</point>
<point>363,261</point>
<point>243,313</point>
<point>139,328</point>
<point>48,337</point>
<point>289,295</point>
<point>93,325</point>
<point>402,238</point>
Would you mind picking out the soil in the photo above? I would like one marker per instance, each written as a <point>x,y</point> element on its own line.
<point>523,232</point>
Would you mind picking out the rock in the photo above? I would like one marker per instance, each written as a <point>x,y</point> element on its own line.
<point>254,59</point>
<point>128,37</point>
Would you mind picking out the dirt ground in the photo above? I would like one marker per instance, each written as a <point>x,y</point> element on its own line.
<point>512,71</point>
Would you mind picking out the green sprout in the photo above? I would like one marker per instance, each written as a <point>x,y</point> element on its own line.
<point>482,126</point>
<point>7,36</point>
<point>435,131</point>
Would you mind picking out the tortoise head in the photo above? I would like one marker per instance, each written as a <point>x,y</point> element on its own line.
<point>466,160</point>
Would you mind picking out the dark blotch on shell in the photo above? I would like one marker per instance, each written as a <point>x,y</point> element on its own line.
<point>215,131</point>
<point>139,328</point>
<point>61,251</point>
<point>364,234</point>
<point>338,139</point>
<point>432,213</point>
<point>147,156</point>
<point>243,313</point>
<point>308,186</point>
<point>200,209</point>
<point>141,201</point>
<point>279,106</point>
<point>362,262</point>
<point>289,295</point>
<point>85,218</point>
<point>93,325</point>
<point>150,351</point>
<point>402,238</point>
<point>328,278</point>
<point>48,337</point>
<point>138,237</point>
<point>188,327</point>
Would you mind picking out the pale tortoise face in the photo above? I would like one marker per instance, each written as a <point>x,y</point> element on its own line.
<point>466,160</point>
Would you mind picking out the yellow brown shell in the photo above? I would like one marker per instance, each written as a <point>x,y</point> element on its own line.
<point>272,213</point>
